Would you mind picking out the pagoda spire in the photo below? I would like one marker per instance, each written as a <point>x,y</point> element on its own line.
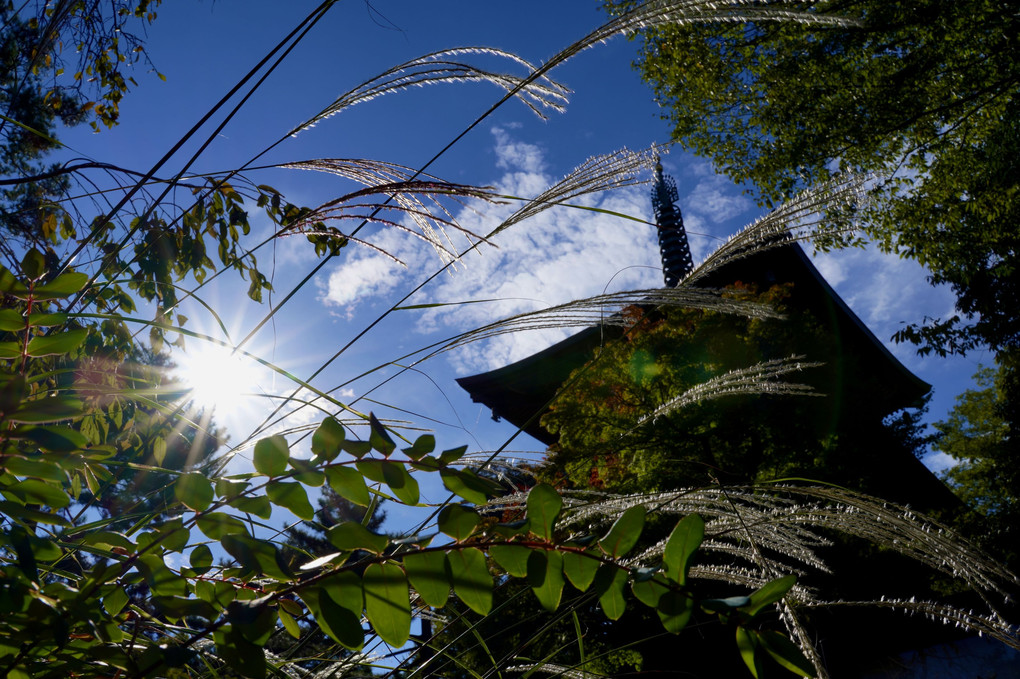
<point>673,246</point>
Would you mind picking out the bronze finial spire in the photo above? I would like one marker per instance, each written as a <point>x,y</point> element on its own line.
<point>673,246</point>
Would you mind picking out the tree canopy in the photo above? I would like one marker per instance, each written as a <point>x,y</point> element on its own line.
<point>923,94</point>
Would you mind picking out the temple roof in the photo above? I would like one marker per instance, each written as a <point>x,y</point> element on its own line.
<point>521,392</point>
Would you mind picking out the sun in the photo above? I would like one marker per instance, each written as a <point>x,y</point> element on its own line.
<point>215,377</point>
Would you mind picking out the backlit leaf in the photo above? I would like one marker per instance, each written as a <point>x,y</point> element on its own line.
<point>609,583</point>
<point>379,438</point>
<point>625,532</point>
<point>469,485</point>
<point>545,575</point>
<point>326,440</point>
<point>401,482</point>
<point>429,574</point>
<point>194,491</point>
<point>683,542</point>
<point>62,286</point>
<point>770,593</point>
<point>339,623</point>
<point>471,579</point>
<point>674,609</point>
<point>258,505</point>
<point>458,521</point>
<point>291,496</point>
<point>201,559</point>
<point>511,558</point>
<point>544,505</point>
<point>348,484</point>
<point>580,569</point>
<point>423,445</point>
<point>217,524</point>
<point>351,535</point>
<point>786,653</point>
<point>271,455</point>
<point>56,344</point>
<point>387,602</point>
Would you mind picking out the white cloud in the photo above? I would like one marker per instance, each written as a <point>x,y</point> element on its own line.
<point>558,255</point>
<point>714,199</point>
<point>516,154</point>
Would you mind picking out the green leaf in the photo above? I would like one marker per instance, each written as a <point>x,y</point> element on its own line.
<point>387,602</point>
<point>256,556</point>
<point>307,473</point>
<point>289,624</point>
<point>401,482</point>
<point>12,320</point>
<point>346,590</point>
<point>228,488</point>
<point>544,505</point>
<point>53,438</point>
<point>649,591</point>
<point>356,448</point>
<point>770,593</point>
<point>339,623</point>
<point>625,532</point>
<point>201,559</point>
<point>786,653</point>
<point>349,484</point>
<point>194,491</point>
<point>239,654</point>
<point>36,467</point>
<point>51,409</point>
<point>458,521</point>
<point>371,469</point>
<point>511,558</point>
<point>351,535</point>
<point>56,344</point>
<point>379,438</point>
<point>429,574</point>
<point>161,579</point>
<point>291,496</point>
<point>62,286</point>
<point>271,455</point>
<point>471,579</point>
<point>610,581</point>
<point>326,440</point>
<point>452,455</point>
<point>21,513</point>
<point>33,491</point>
<point>580,569</point>
<point>469,485</point>
<point>217,524</point>
<point>47,320</point>
<point>115,601</point>
<point>258,505</point>
<point>683,542</point>
<point>747,644</point>
<point>545,575</point>
<point>422,446</point>
<point>33,264</point>
<point>674,609</point>
<point>253,619</point>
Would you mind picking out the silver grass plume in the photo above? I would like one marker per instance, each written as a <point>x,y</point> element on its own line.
<point>800,219</point>
<point>759,531</point>
<point>415,198</point>
<point>444,67</point>
<point>555,670</point>
<point>600,173</point>
<point>604,310</point>
<point>762,378</point>
<point>658,13</point>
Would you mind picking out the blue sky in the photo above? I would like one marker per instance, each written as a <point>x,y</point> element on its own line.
<point>203,48</point>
